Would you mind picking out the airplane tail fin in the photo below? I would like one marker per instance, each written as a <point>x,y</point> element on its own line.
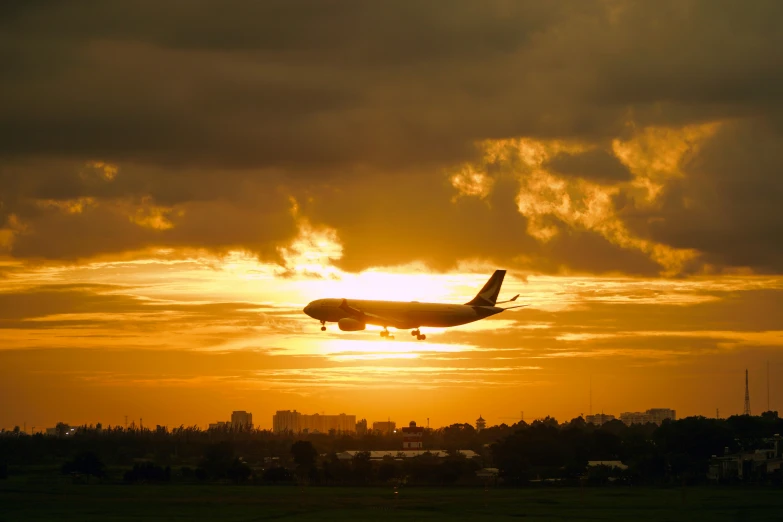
<point>488,295</point>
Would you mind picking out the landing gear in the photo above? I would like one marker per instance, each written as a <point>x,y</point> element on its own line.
<point>420,336</point>
<point>386,333</point>
<point>323,326</point>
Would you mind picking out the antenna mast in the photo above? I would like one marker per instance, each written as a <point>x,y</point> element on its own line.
<point>747,395</point>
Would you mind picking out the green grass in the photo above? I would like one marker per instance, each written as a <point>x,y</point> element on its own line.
<point>61,501</point>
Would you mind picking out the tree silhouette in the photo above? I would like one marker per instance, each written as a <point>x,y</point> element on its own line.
<point>85,463</point>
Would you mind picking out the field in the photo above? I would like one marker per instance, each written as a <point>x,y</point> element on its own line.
<point>61,501</point>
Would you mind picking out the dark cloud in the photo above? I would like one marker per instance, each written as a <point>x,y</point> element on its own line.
<point>216,112</point>
<point>728,204</point>
<point>283,83</point>
<point>594,165</point>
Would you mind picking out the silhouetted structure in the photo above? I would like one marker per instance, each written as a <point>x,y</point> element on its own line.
<point>242,420</point>
<point>746,410</point>
<point>599,419</point>
<point>480,423</point>
<point>296,422</point>
<point>653,415</point>
<point>361,427</point>
<point>412,437</point>
<point>384,426</point>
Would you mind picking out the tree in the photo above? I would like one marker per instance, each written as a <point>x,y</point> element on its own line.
<point>216,461</point>
<point>304,455</point>
<point>277,474</point>
<point>147,472</point>
<point>239,471</point>
<point>389,469</point>
<point>85,463</point>
<point>362,467</point>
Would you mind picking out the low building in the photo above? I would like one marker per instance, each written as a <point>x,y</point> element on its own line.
<point>614,464</point>
<point>384,426</point>
<point>404,454</point>
<point>748,465</point>
<point>599,419</point>
<point>654,415</point>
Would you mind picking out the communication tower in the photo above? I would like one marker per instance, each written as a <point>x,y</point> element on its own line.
<point>747,395</point>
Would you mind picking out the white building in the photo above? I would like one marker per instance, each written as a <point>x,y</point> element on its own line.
<point>403,454</point>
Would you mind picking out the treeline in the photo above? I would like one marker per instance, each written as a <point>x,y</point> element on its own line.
<point>543,451</point>
<point>674,453</point>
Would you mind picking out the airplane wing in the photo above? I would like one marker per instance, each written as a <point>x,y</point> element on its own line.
<point>370,318</point>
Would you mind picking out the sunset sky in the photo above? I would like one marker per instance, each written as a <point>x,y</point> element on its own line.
<point>178,179</point>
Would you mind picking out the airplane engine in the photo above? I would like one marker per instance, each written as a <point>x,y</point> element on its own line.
<point>347,324</point>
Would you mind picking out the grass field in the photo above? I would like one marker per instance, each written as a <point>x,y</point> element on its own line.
<point>61,501</point>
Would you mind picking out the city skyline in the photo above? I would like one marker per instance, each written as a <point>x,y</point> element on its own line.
<point>311,422</point>
<point>179,180</point>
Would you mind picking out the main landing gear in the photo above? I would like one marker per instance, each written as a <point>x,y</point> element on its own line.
<point>323,326</point>
<point>420,336</point>
<point>386,333</point>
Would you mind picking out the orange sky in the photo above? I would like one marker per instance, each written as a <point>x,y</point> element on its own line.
<point>173,193</point>
<point>186,341</point>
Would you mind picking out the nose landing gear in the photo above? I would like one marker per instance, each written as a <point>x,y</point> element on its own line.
<point>420,336</point>
<point>323,326</point>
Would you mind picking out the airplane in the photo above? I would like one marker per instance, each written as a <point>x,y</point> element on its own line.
<point>355,315</point>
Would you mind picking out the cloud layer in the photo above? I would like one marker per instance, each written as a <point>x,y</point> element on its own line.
<point>140,125</point>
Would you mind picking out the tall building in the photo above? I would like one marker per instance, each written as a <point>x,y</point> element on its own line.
<point>480,423</point>
<point>654,415</point>
<point>384,426</point>
<point>294,421</point>
<point>317,423</point>
<point>361,427</point>
<point>286,420</point>
<point>412,437</point>
<point>241,420</point>
<point>599,419</point>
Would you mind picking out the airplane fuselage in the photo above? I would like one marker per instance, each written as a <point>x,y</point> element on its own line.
<point>355,315</point>
<point>400,314</point>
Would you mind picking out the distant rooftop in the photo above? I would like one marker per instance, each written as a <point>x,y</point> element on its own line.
<point>378,455</point>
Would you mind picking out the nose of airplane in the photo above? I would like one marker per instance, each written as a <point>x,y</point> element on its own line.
<point>307,309</point>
